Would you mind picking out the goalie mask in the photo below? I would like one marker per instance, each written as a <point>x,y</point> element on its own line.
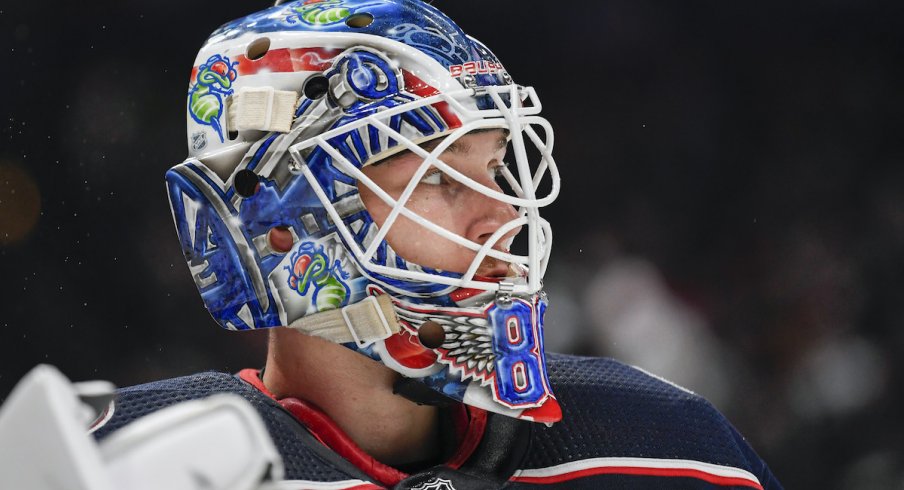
<point>293,112</point>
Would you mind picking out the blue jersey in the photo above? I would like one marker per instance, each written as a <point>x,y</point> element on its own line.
<point>621,428</point>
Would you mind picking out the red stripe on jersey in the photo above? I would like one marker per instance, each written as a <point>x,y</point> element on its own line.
<point>641,471</point>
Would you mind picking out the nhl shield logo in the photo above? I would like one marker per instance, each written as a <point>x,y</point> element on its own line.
<point>435,484</point>
<point>198,140</point>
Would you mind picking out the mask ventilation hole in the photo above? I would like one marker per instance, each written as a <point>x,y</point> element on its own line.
<point>280,239</point>
<point>246,183</point>
<point>431,334</point>
<point>257,48</point>
<point>358,21</point>
<point>315,87</point>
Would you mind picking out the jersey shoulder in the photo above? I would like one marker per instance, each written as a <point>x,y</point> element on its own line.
<point>620,419</point>
<point>134,402</point>
<point>305,459</point>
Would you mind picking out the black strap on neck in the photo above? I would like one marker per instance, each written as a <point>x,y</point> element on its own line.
<point>505,443</point>
<point>420,393</point>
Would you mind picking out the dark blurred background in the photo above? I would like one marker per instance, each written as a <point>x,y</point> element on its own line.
<point>732,215</point>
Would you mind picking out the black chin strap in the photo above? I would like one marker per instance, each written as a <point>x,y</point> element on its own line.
<point>504,444</point>
<point>420,393</point>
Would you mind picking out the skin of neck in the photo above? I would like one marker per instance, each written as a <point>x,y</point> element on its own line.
<point>356,392</point>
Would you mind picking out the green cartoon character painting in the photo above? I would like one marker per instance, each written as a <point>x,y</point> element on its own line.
<point>310,267</point>
<point>211,85</point>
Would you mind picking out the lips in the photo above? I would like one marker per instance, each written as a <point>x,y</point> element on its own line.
<point>493,268</point>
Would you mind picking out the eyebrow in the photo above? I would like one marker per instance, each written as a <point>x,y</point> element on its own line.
<point>460,148</point>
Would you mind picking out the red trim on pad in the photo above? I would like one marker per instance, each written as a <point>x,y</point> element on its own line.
<point>470,425</point>
<point>322,426</point>
<point>253,378</point>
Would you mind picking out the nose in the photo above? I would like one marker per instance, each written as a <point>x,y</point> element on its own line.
<point>487,216</point>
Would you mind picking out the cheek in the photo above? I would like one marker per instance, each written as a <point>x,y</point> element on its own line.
<point>416,243</point>
<point>440,207</point>
<point>436,205</point>
<point>422,246</point>
<point>375,206</point>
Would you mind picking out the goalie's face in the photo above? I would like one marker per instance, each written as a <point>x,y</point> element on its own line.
<point>446,202</point>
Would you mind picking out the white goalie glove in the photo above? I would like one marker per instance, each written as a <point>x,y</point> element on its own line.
<point>216,443</point>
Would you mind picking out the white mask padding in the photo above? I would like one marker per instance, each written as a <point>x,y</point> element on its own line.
<point>363,323</point>
<point>261,108</point>
<point>520,121</point>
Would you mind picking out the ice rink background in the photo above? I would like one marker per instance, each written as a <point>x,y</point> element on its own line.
<point>732,215</point>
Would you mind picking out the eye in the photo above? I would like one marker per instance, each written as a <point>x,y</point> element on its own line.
<point>496,171</point>
<point>433,177</point>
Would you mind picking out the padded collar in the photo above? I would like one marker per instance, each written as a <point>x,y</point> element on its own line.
<point>469,422</point>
